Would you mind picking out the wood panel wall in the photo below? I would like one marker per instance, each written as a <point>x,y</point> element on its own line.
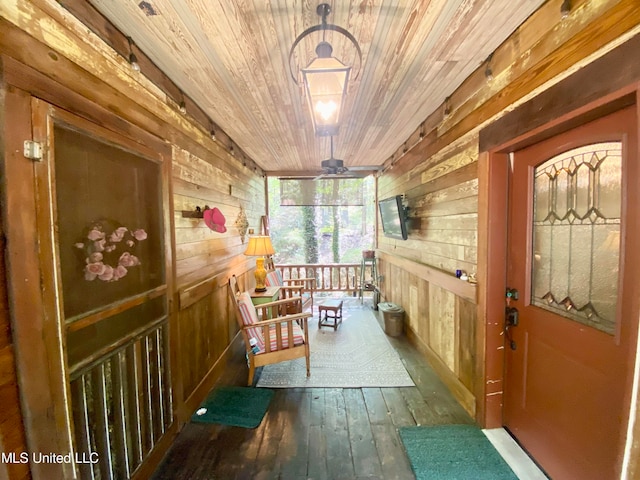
<point>436,169</point>
<point>438,175</point>
<point>47,53</point>
<point>205,259</point>
<point>442,195</point>
<point>440,319</point>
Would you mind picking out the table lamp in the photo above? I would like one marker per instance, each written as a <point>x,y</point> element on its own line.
<point>259,246</point>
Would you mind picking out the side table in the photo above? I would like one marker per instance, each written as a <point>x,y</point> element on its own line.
<point>270,295</point>
<point>332,310</point>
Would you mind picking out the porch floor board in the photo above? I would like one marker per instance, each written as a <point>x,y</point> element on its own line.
<point>318,433</point>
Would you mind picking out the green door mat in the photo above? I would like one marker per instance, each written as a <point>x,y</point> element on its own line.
<point>453,452</point>
<point>236,406</point>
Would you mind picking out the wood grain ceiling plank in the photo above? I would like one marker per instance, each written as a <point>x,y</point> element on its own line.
<point>240,59</point>
<point>412,81</point>
<point>166,50</point>
<point>160,35</point>
<point>231,57</point>
<point>606,20</point>
<point>368,97</point>
<point>409,61</point>
<point>286,104</point>
<point>463,29</point>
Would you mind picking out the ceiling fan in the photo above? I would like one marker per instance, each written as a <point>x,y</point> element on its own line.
<point>335,168</point>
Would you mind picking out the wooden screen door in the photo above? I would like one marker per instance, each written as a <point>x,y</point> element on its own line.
<point>100,227</point>
<point>573,238</point>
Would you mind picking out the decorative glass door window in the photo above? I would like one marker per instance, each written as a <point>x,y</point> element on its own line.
<point>576,234</point>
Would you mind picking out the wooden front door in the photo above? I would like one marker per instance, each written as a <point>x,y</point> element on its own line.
<point>573,238</point>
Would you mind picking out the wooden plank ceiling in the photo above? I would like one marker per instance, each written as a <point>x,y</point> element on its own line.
<point>231,58</point>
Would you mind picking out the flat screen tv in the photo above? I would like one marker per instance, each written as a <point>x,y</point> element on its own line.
<point>393,216</point>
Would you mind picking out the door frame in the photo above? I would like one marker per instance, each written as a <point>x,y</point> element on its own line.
<point>493,178</point>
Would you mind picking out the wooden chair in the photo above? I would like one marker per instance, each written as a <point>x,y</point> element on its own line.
<point>278,338</point>
<point>291,288</point>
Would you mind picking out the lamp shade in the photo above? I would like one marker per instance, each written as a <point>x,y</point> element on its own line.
<point>325,81</point>
<point>259,246</point>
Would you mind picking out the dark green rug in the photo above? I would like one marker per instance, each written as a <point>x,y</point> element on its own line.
<point>236,406</point>
<point>453,452</point>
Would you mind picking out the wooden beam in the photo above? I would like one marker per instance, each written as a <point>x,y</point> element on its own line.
<point>442,279</point>
<point>103,28</point>
<point>314,173</point>
<point>622,17</point>
<point>82,65</point>
<point>521,56</point>
<point>492,265</point>
<point>593,26</point>
<point>12,434</point>
<point>584,86</point>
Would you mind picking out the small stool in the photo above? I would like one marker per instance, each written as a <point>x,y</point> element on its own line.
<point>332,314</point>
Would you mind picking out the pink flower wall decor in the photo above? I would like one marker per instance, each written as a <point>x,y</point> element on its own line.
<point>214,219</point>
<point>107,249</point>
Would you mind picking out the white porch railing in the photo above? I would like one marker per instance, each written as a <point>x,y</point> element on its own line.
<point>330,277</point>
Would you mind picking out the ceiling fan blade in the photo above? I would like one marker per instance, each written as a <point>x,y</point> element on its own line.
<point>368,168</point>
<point>335,168</point>
<point>350,174</point>
<point>343,176</point>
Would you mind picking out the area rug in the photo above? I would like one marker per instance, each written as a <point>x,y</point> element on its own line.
<point>355,355</point>
<point>236,406</point>
<point>454,452</point>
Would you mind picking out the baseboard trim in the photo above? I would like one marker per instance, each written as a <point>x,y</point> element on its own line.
<point>151,463</point>
<point>199,393</point>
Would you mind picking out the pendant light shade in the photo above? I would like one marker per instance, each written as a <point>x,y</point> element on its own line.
<point>325,81</point>
<point>325,78</point>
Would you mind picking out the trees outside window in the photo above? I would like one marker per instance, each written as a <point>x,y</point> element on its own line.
<point>324,229</point>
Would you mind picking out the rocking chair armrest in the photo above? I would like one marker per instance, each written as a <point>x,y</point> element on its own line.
<point>282,331</point>
<point>275,303</point>
<point>283,319</point>
<point>274,309</point>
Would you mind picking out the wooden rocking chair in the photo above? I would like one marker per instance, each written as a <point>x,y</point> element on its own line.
<point>302,288</point>
<point>277,338</point>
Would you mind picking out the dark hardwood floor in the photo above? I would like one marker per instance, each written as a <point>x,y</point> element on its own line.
<point>318,433</point>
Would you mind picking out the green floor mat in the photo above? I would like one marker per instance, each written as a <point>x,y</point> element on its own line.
<point>236,406</point>
<point>453,452</point>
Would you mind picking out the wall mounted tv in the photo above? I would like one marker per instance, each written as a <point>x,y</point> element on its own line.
<point>394,217</point>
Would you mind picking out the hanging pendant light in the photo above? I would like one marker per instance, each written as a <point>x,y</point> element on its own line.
<point>325,78</point>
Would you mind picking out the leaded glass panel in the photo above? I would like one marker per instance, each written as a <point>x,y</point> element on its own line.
<point>576,234</point>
